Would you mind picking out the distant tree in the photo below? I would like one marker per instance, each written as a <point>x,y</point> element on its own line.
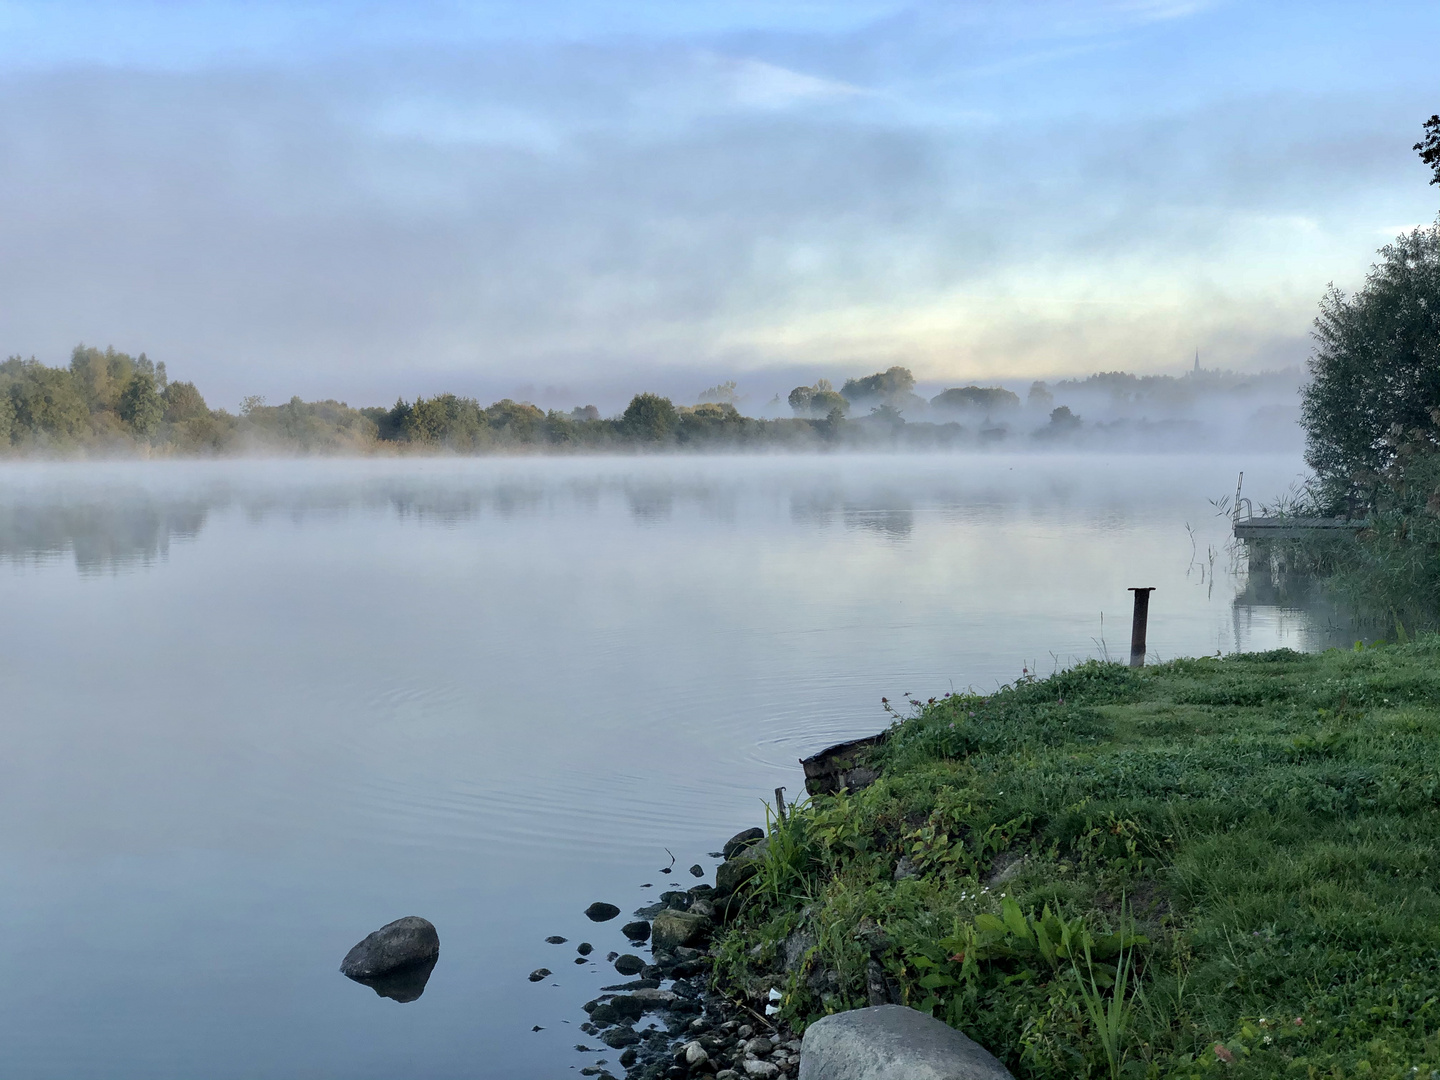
<point>140,405</point>
<point>885,386</point>
<point>584,413</point>
<point>183,402</point>
<point>7,419</point>
<point>517,421</point>
<point>649,417</point>
<point>1375,369</point>
<point>817,401</point>
<point>249,404</point>
<point>1429,146</point>
<point>1039,396</point>
<point>976,398</point>
<point>724,394</point>
<point>454,421</point>
<point>45,402</point>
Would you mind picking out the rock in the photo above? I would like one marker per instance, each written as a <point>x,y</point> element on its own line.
<point>601,912</point>
<point>674,928</point>
<point>741,840</point>
<point>620,1037</point>
<point>697,870</point>
<point>639,930</point>
<point>633,984</point>
<point>904,868</point>
<point>695,1055</point>
<point>727,1074</point>
<point>407,941</point>
<point>677,901</point>
<point>629,1057</point>
<point>759,1046</point>
<point>629,964</point>
<point>654,1000</point>
<point>555,939</point>
<point>611,956</point>
<point>844,765</point>
<point>892,1042</point>
<point>734,872</point>
<point>538,974</point>
<point>763,1070</point>
<point>585,948</point>
<point>704,908</point>
<point>581,960</point>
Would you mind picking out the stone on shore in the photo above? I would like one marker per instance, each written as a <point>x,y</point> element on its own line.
<point>892,1042</point>
<point>411,940</point>
<point>601,911</point>
<point>735,871</point>
<point>639,930</point>
<point>741,840</point>
<point>538,974</point>
<point>675,928</point>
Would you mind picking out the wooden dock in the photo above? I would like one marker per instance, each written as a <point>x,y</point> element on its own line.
<point>1290,528</point>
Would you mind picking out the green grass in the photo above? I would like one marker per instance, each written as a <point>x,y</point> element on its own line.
<point>1246,851</point>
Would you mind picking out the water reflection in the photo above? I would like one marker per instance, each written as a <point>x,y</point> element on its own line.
<point>403,984</point>
<point>104,536</point>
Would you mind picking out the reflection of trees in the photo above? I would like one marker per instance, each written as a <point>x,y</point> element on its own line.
<point>102,535</point>
<point>895,521</point>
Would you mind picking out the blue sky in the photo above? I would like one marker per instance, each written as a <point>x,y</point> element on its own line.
<point>573,200</point>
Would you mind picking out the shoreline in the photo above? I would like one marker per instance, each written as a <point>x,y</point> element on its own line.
<point>1140,822</point>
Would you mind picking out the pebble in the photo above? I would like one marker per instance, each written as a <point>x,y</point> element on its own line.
<point>538,974</point>
<point>697,870</point>
<point>585,948</point>
<point>639,930</point>
<point>581,960</point>
<point>760,1070</point>
<point>556,939</point>
<point>759,1046</point>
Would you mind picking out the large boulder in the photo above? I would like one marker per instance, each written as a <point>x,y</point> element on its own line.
<point>892,1042</point>
<point>672,929</point>
<point>740,868</point>
<point>411,940</point>
<point>740,841</point>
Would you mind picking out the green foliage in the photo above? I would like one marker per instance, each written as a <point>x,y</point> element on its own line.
<point>885,386</point>
<point>1113,872</point>
<point>649,418</point>
<point>183,402</point>
<point>818,401</point>
<point>445,420</point>
<point>140,404</point>
<point>976,398</point>
<point>1375,372</point>
<point>7,420</point>
<point>47,408</point>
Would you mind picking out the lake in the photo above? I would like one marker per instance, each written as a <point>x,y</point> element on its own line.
<point>253,710</point>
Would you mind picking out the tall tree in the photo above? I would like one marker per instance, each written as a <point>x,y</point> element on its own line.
<point>1375,370</point>
<point>141,405</point>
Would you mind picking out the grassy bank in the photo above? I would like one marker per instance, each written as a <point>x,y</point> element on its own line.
<point>1207,867</point>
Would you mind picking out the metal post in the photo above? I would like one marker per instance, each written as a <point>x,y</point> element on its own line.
<point>1137,627</point>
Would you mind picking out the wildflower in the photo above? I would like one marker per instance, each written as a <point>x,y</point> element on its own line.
<point>1224,1054</point>
<point>1299,1022</point>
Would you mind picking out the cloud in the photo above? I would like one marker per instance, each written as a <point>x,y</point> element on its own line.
<point>595,211</point>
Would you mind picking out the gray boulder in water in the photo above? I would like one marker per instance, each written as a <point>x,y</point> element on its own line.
<point>891,1042</point>
<point>402,943</point>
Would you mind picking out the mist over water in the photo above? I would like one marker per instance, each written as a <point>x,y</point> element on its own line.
<point>255,709</point>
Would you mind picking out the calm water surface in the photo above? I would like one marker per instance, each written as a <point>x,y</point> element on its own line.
<point>253,710</point>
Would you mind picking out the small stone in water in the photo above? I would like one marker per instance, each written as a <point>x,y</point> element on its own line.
<point>581,960</point>
<point>601,911</point>
<point>697,870</point>
<point>537,1027</point>
<point>610,956</point>
<point>538,974</point>
<point>585,948</point>
<point>629,964</point>
<point>636,931</point>
<point>555,939</point>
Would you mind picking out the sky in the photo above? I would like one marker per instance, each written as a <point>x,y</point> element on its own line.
<point>569,201</point>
